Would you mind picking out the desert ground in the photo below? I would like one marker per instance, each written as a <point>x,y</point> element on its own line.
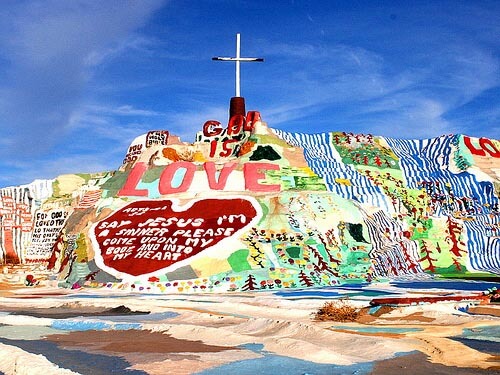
<point>47,330</point>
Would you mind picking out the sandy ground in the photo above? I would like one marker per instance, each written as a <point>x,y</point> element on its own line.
<point>206,332</point>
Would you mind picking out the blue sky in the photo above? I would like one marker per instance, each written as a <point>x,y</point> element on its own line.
<point>79,80</point>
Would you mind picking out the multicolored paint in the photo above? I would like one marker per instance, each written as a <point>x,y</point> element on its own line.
<point>247,207</point>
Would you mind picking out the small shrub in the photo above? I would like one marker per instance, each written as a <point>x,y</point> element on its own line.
<point>338,311</point>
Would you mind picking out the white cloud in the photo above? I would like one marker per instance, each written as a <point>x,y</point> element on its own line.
<point>377,95</point>
<point>137,43</point>
<point>120,124</point>
<point>186,124</point>
<point>48,46</point>
<point>122,110</point>
<point>26,172</point>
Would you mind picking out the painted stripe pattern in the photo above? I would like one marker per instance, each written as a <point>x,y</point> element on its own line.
<point>325,161</point>
<point>426,165</point>
<point>429,161</point>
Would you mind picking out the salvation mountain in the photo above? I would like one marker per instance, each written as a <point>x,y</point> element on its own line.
<point>247,207</point>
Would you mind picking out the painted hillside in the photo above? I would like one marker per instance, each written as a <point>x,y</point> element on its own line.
<point>247,207</point>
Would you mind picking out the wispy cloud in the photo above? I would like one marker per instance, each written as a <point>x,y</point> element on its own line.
<point>124,123</point>
<point>186,123</point>
<point>136,43</point>
<point>50,168</point>
<point>122,110</point>
<point>50,48</point>
<point>108,125</point>
<point>381,98</point>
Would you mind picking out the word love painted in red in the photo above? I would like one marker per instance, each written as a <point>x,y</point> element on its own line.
<point>252,173</point>
<point>482,147</point>
<point>147,236</point>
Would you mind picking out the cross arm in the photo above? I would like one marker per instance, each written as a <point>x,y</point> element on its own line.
<point>243,59</point>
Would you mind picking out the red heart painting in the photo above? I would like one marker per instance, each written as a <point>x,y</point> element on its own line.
<point>147,236</point>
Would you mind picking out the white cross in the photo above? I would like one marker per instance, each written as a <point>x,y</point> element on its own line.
<point>238,59</point>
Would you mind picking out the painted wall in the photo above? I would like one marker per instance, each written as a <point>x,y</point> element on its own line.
<point>247,207</point>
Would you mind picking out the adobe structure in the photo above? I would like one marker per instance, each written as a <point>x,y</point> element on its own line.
<point>247,207</point>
